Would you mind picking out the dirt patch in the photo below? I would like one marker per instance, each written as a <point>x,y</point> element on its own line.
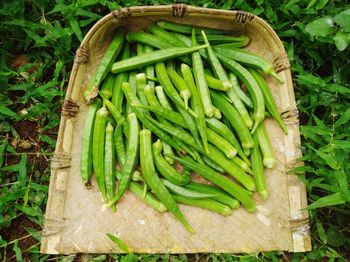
<point>27,129</point>
<point>17,231</point>
<point>28,142</point>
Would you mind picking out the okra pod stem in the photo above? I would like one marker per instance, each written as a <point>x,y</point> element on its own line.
<point>180,84</point>
<point>269,158</point>
<point>108,85</point>
<point>216,84</point>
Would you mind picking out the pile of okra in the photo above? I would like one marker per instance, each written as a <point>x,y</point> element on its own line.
<point>176,100</point>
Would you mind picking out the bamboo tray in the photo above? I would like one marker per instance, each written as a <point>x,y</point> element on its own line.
<point>73,220</point>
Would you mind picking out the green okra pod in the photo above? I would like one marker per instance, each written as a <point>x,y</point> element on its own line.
<point>187,29</point>
<point>238,44</point>
<point>141,82</point>
<point>252,86</point>
<point>238,90</point>
<point>165,169</point>
<point>212,164</point>
<point>163,100</point>
<point>216,84</point>
<point>220,128</point>
<point>214,154</point>
<point>150,68</point>
<point>269,100</point>
<point>109,161</point>
<point>258,169</point>
<point>149,39</point>
<point>221,143</point>
<point>117,97</point>
<point>269,158</point>
<point>184,192</point>
<point>119,143</point>
<point>223,182</point>
<point>220,195</point>
<point>196,104</point>
<point>201,82</point>
<point>249,59</point>
<point>117,116</point>
<point>130,159</point>
<point>87,139</point>
<point>158,31</point>
<point>152,58</point>
<point>104,66</point>
<point>132,82</point>
<point>219,71</point>
<point>179,83</point>
<point>238,104</point>
<point>164,113</point>
<point>98,150</point>
<point>172,94</point>
<point>108,86</point>
<point>153,101</point>
<point>148,198</point>
<point>209,204</point>
<point>132,98</point>
<point>235,120</point>
<point>153,181</point>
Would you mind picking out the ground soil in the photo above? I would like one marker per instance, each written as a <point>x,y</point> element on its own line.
<point>17,231</point>
<point>27,131</point>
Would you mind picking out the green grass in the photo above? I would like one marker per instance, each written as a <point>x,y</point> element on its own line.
<point>38,41</point>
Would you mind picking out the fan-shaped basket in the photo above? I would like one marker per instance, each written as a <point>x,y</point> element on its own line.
<point>74,221</point>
